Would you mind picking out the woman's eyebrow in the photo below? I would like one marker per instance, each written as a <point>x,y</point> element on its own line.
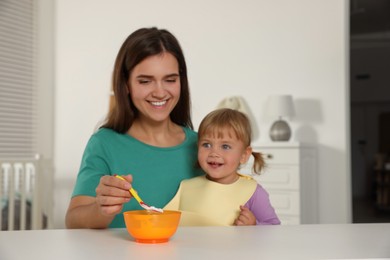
<point>151,77</point>
<point>144,76</point>
<point>172,75</point>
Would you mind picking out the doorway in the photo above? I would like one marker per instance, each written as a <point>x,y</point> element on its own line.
<point>370,110</point>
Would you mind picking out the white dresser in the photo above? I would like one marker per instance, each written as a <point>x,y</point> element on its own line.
<point>290,178</point>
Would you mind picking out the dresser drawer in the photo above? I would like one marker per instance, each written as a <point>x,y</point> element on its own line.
<point>285,203</point>
<point>279,156</point>
<point>276,177</point>
<point>279,177</point>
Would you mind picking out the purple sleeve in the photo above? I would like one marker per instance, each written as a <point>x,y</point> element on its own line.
<point>261,207</point>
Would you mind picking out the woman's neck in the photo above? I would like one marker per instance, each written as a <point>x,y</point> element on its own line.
<point>164,134</point>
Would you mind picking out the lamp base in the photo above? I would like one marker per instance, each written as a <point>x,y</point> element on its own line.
<point>280,131</point>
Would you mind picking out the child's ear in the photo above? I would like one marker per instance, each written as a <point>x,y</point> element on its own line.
<point>246,154</point>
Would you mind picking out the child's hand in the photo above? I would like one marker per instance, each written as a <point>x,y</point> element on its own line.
<point>246,218</point>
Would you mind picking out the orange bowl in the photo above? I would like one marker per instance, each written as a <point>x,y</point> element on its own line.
<point>151,227</point>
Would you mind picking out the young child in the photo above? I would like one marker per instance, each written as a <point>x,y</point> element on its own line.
<point>223,196</point>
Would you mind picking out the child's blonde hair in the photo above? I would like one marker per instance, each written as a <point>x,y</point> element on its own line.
<point>225,118</point>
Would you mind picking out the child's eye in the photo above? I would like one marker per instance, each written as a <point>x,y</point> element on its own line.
<point>226,147</point>
<point>206,145</point>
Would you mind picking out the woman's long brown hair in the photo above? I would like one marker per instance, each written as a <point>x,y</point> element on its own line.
<point>139,45</point>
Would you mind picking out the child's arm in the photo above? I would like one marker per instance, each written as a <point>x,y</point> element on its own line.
<point>260,205</point>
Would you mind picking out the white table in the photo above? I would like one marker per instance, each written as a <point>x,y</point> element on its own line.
<point>352,241</point>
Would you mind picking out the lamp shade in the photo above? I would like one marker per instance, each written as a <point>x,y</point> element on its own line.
<point>280,106</point>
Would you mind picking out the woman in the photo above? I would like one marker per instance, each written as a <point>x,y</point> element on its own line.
<point>148,138</point>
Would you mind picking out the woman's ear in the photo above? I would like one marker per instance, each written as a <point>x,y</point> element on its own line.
<point>245,155</point>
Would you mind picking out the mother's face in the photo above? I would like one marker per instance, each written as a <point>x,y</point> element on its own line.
<point>154,86</point>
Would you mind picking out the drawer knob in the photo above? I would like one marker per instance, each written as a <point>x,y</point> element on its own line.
<point>270,156</point>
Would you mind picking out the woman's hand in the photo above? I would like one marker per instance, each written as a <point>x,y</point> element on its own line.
<point>112,193</point>
<point>99,211</point>
<point>246,218</point>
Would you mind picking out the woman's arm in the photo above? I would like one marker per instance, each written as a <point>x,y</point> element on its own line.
<point>84,212</point>
<point>99,211</point>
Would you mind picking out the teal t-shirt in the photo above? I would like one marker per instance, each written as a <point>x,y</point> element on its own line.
<point>157,172</point>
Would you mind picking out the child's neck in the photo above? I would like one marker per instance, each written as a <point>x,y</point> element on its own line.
<point>226,180</point>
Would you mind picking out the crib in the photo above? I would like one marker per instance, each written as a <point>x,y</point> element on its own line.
<point>23,194</point>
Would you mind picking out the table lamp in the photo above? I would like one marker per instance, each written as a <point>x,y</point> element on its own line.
<point>280,106</point>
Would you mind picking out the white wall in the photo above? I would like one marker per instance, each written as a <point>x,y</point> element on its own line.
<point>251,48</point>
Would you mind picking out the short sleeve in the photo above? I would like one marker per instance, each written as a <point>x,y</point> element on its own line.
<point>93,166</point>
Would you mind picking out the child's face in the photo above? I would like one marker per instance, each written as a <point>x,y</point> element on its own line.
<point>220,157</point>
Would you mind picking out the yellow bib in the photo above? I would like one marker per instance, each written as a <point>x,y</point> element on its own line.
<point>208,203</point>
